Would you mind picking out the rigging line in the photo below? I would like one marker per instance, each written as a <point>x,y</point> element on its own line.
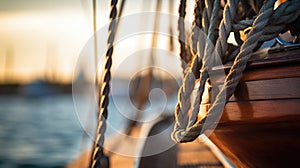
<point>95,42</point>
<point>97,155</point>
<point>90,111</point>
<point>171,41</point>
<point>145,84</point>
<point>155,29</point>
<point>121,8</point>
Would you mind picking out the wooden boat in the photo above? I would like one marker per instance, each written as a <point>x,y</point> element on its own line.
<point>260,124</point>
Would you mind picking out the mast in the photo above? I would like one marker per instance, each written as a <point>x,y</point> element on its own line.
<point>95,41</point>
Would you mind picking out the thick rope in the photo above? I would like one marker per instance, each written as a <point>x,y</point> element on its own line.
<point>185,91</point>
<point>225,28</point>
<point>197,25</point>
<point>105,89</point>
<point>209,49</point>
<point>207,12</point>
<point>182,38</point>
<point>233,78</point>
<point>284,15</point>
<point>183,105</point>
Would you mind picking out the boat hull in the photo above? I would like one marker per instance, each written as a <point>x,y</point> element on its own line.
<point>260,125</point>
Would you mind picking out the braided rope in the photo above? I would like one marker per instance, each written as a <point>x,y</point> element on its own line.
<point>235,74</point>
<point>183,105</point>
<point>225,28</point>
<point>105,89</point>
<point>208,56</point>
<point>207,15</point>
<point>197,25</point>
<point>181,29</point>
<point>284,14</point>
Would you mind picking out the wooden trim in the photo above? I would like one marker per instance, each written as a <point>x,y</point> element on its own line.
<point>276,72</point>
<point>258,110</point>
<point>286,88</point>
<point>263,59</point>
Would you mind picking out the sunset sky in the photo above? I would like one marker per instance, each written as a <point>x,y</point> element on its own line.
<point>39,37</point>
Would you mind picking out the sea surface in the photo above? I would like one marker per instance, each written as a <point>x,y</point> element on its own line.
<point>50,131</point>
<point>38,132</point>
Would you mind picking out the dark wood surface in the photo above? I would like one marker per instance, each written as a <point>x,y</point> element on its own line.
<point>260,125</point>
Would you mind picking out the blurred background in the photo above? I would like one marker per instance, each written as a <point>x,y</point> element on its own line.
<point>40,42</point>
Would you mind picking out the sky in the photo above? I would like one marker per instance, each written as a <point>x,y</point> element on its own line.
<point>41,38</point>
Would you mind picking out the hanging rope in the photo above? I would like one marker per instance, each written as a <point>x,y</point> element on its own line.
<point>183,105</point>
<point>104,92</point>
<point>186,134</point>
<point>207,12</point>
<point>209,49</point>
<point>181,39</point>
<point>197,25</point>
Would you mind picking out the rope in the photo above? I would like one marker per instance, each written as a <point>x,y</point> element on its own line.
<point>104,94</point>
<point>197,25</point>
<point>225,28</point>
<point>284,15</point>
<point>207,14</point>
<point>183,105</point>
<point>182,134</point>
<point>209,49</point>
<point>171,41</point>
<point>181,29</point>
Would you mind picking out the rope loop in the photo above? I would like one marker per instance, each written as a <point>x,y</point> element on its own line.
<point>191,130</point>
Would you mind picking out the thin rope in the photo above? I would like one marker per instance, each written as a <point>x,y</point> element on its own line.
<point>105,89</point>
<point>171,41</point>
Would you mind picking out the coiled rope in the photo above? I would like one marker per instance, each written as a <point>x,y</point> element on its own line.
<point>184,133</point>
<point>96,160</point>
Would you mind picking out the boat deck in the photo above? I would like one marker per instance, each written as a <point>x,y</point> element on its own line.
<point>196,154</point>
<point>189,155</point>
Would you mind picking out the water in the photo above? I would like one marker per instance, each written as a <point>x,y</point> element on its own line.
<point>47,131</point>
<point>38,132</point>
